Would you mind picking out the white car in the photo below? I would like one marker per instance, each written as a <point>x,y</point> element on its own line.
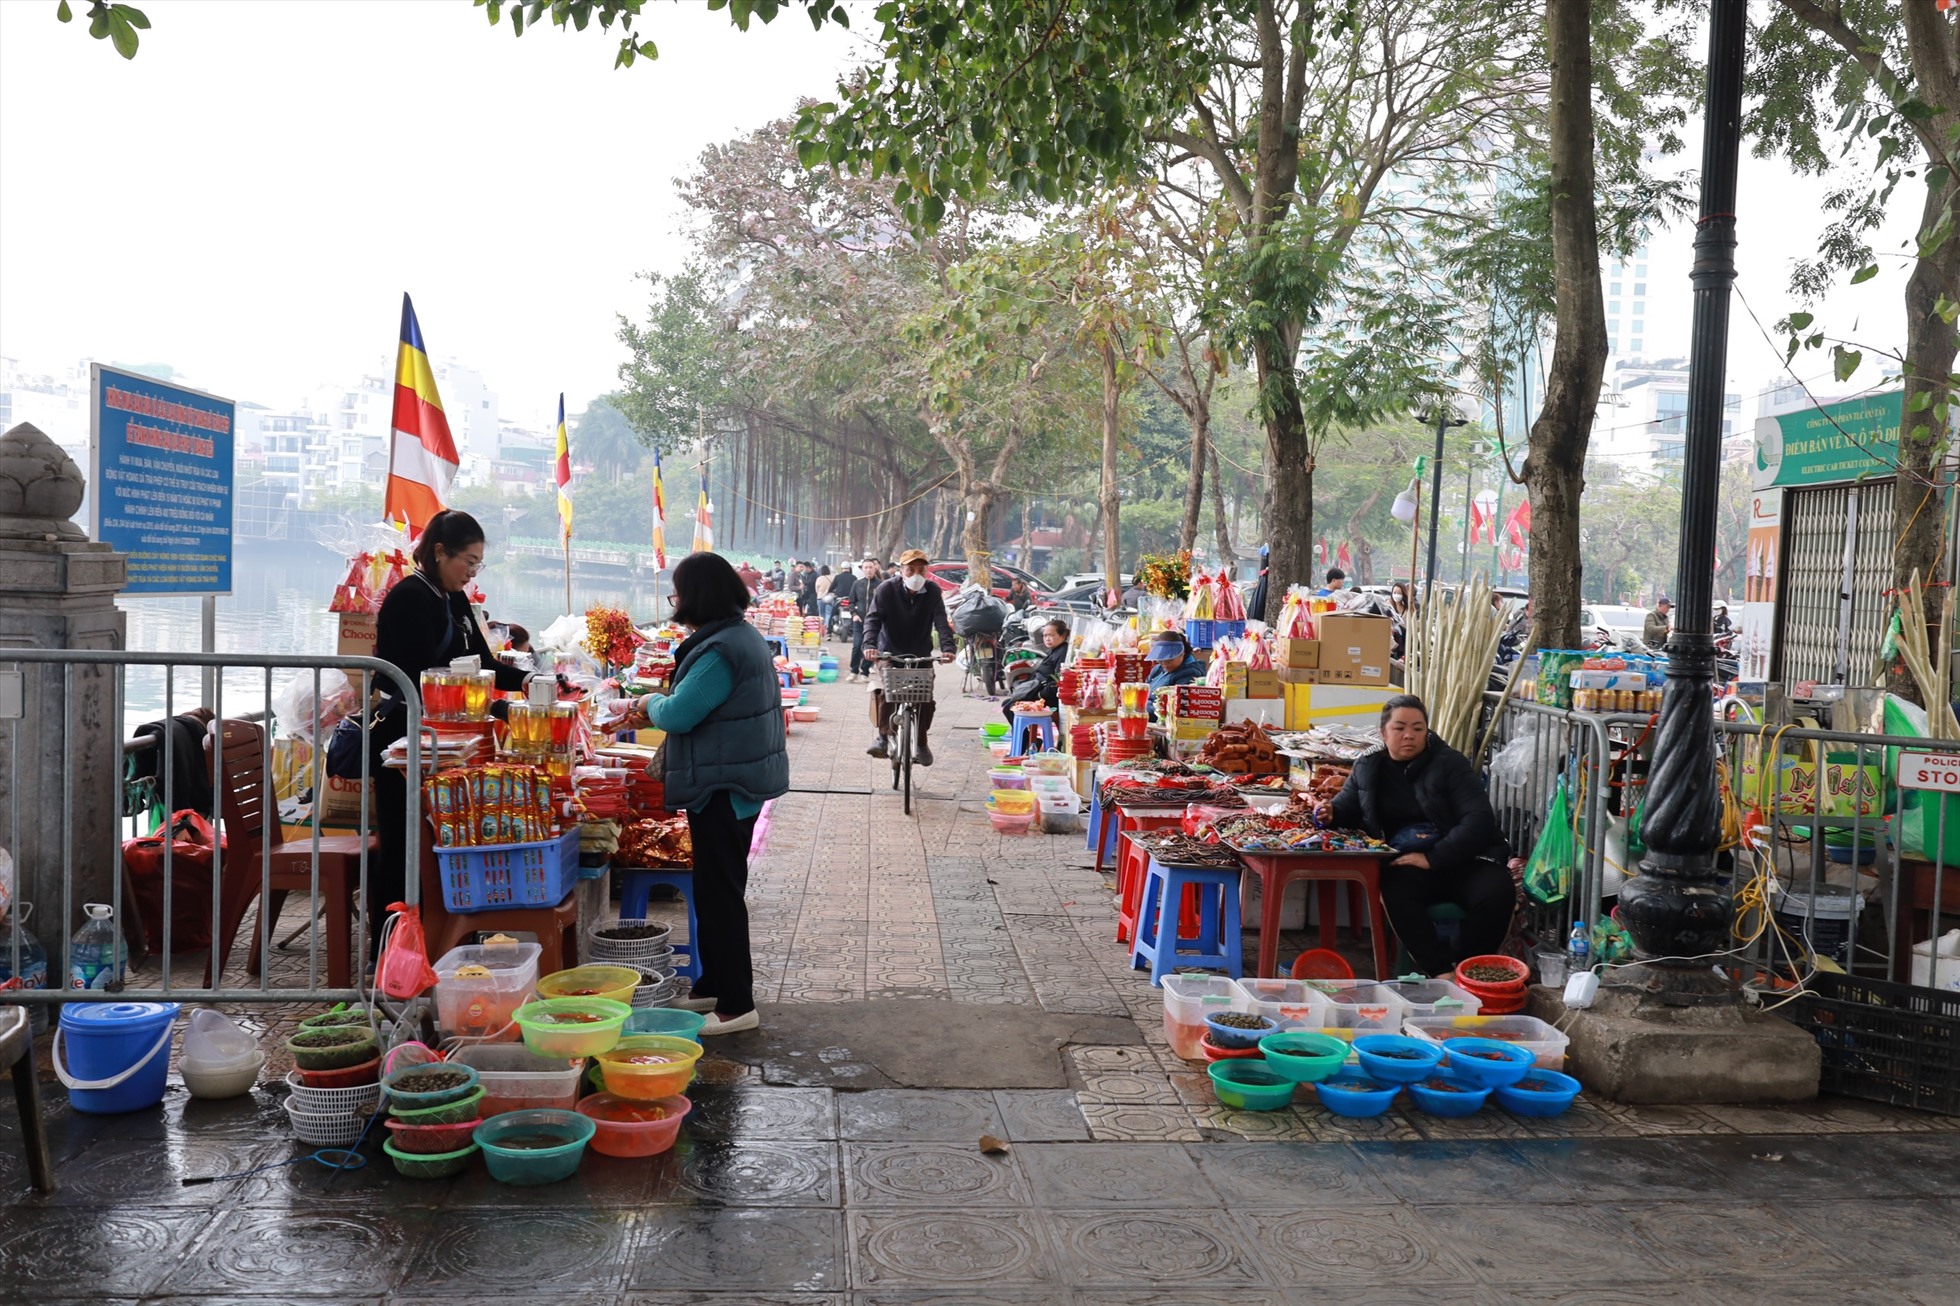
<point>1627,623</point>
<point>1094,578</point>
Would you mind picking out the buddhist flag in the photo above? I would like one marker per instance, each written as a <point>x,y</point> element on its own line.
<point>704,519</point>
<point>659,516</point>
<point>564,473</point>
<point>422,459</point>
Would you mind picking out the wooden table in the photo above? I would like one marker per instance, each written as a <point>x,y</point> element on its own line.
<point>1278,869</point>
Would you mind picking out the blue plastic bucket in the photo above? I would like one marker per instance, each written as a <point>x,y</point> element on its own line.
<point>117,1054</point>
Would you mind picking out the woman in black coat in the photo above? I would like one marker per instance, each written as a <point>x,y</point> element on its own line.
<point>1047,672</point>
<point>1427,801</point>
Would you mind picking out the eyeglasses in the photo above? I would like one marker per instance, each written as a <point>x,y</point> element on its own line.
<point>474,567</point>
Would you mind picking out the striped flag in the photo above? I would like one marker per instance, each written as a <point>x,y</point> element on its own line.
<point>564,473</point>
<point>704,518</point>
<point>659,516</point>
<point>422,459</point>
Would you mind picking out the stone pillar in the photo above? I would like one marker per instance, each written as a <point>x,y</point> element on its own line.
<point>57,590</point>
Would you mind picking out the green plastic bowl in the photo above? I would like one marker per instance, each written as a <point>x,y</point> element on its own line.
<point>1303,1058</point>
<point>465,1084</point>
<point>332,1048</point>
<point>1250,1086</point>
<point>435,1165</point>
<point>535,1165</point>
<point>994,730</point>
<point>449,1113</point>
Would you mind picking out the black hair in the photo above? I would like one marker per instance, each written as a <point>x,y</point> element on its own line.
<point>454,531</point>
<point>518,635</point>
<point>1335,573</point>
<point>1401,701</point>
<point>1060,626</point>
<point>707,590</point>
<point>824,570</point>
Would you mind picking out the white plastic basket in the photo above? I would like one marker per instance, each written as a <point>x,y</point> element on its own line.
<point>329,1129</point>
<point>331,1101</point>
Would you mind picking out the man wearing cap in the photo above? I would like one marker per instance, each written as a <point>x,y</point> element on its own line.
<point>1653,633</point>
<point>1171,664</point>
<point>906,612</point>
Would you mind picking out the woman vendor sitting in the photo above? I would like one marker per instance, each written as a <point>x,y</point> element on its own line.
<point>1171,664</point>
<point>1047,672</point>
<point>1425,800</point>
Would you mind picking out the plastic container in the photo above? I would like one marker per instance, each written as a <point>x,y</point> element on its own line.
<point>666,1020</point>
<point>439,1166</point>
<point>1187,1000</point>
<point>571,1027</point>
<point>467,1108</point>
<point>480,1006</point>
<point>1303,1058</point>
<point>336,1128</point>
<point>1447,1095</point>
<point>615,983</point>
<point>1354,1097</point>
<point>514,1078</point>
<point>338,1018</point>
<point>655,941</point>
<point>623,1077</point>
<point>464,1083</point>
<point>627,1128</point>
<point>1429,997</point>
<point>1250,1086</point>
<point>216,1081</point>
<point>1234,1036</point>
<point>98,959</point>
<point>537,1161</point>
<point>332,1049</point>
<point>1361,1005</point>
<point>495,877</point>
<point>1048,764</point>
<point>33,965</point>
<point>114,1056</point>
<point>1545,1043</point>
<point>424,1140</point>
<point>367,1073</point>
<point>1486,1062</point>
<point>993,731</point>
<point>1541,1093</point>
<point>1396,1058</point>
<point>1825,920</point>
<point>1881,1041</point>
<point>1012,801</point>
<point>1010,824</point>
<point>1008,779</point>
<point>1494,992</point>
<point>1290,1004</point>
<point>1936,962</point>
<point>359,1100</point>
<point>1212,1052</point>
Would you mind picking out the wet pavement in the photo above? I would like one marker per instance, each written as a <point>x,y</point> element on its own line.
<point>834,1157</point>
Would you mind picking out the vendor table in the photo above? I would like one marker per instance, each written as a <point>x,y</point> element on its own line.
<point>1278,869</point>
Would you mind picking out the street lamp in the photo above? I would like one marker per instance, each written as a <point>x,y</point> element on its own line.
<point>1444,421</point>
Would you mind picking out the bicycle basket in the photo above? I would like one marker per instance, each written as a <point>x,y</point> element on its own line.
<point>908,685</point>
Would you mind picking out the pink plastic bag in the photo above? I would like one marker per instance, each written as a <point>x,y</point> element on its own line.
<point>404,971</point>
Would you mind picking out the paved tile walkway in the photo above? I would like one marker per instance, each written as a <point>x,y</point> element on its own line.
<point>1129,1185</point>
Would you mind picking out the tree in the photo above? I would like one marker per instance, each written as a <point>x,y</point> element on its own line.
<point>606,440</point>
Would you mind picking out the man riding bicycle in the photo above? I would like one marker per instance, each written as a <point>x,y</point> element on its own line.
<point>905,613</point>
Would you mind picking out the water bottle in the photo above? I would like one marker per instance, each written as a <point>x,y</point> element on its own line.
<point>97,957</point>
<point>1578,949</point>
<point>33,969</point>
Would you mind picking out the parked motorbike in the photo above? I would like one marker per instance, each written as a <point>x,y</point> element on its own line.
<point>841,626</point>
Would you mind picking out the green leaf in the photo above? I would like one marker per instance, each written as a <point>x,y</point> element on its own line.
<point>1798,321</point>
<point>64,13</point>
<point>1845,361</point>
<point>1920,402</point>
<point>122,35</point>
<point>136,16</point>
<point>809,153</point>
<point>1864,274</point>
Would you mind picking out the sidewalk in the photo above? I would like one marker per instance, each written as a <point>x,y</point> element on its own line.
<point>925,981</point>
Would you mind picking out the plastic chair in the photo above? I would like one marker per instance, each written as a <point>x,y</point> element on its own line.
<point>1161,942</point>
<point>636,888</point>
<point>1043,725</point>
<point>17,1052</point>
<point>1132,862</point>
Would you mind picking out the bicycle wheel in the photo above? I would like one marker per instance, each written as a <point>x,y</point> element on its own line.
<point>990,673</point>
<point>901,717</point>
<point>905,761</point>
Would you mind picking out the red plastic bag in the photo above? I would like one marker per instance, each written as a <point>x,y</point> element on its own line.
<point>404,971</point>
<point>191,841</point>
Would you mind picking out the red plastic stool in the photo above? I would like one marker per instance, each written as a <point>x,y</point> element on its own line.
<point>1133,866</point>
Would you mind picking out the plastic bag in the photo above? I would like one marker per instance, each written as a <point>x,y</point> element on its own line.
<point>214,1037</point>
<point>1548,871</point>
<point>1512,764</point>
<point>404,971</point>
<point>302,718</point>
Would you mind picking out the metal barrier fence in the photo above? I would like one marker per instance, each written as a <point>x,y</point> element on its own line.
<point>243,796</point>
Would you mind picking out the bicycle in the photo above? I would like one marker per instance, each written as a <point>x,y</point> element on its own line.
<point>982,664</point>
<point>908,684</point>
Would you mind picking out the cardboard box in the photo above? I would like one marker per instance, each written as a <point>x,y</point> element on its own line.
<point>1262,684</point>
<point>1269,712</point>
<point>1299,706</point>
<point>1299,654</point>
<point>1354,650</point>
<point>1294,676</point>
<point>356,635</point>
<point>1197,700</point>
<point>338,801</point>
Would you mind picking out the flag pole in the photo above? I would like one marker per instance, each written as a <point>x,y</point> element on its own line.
<point>568,572</point>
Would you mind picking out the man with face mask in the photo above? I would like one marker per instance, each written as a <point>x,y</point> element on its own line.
<point>906,612</point>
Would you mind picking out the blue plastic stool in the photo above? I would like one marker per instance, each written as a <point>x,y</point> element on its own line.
<point>637,887</point>
<point>1095,826</point>
<point>1043,724</point>
<point>1216,946</point>
<point>778,643</point>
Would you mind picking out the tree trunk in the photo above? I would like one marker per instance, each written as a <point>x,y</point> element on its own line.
<point>1027,533</point>
<point>1219,526</point>
<point>1112,399</point>
<point>1289,514</point>
<point>1089,541</point>
<point>979,502</point>
<point>894,521</point>
<point>1194,489</point>
<point>1554,468</point>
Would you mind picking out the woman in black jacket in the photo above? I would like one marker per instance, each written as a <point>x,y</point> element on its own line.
<point>424,622</point>
<point>1047,672</point>
<point>1426,800</point>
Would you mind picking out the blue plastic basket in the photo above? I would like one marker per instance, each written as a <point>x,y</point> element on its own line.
<point>495,876</point>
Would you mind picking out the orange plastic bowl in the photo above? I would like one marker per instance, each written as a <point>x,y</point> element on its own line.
<point>630,1128</point>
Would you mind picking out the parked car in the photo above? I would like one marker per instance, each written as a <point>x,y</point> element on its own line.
<point>1095,578</point>
<point>1628,625</point>
<point>1083,598</point>
<point>949,576</point>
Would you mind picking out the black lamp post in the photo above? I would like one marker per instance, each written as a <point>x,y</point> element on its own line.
<point>1443,423</point>
<point>1679,906</point>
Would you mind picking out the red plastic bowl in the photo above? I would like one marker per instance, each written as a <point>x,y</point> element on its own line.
<point>621,1131</point>
<point>1520,975</point>
<point>431,1139</point>
<point>1322,964</point>
<point>1215,1053</point>
<point>368,1072</point>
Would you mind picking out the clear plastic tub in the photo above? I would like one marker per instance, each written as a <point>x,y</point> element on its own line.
<point>1291,1004</point>
<point>1546,1044</point>
<point>1188,999</point>
<point>480,1007</point>
<point>514,1078</point>
<point>1362,1004</point>
<point>1435,997</point>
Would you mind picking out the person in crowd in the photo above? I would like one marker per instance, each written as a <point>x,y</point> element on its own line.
<point>1336,582</point>
<point>1723,624</point>
<point>1255,607</point>
<point>1399,598</point>
<point>1654,631</point>
<point>826,605</point>
<point>1171,664</point>
<point>726,755</point>
<point>871,573</point>
<point>751,578</point>
<point>776,577</point>
<point>1019,596</point>
<point>907,613</point>
<point>426,621</point>
<point>1425,800</point>
<point>1047,672</point>
<point>520,639</point>
<point>805,583</point>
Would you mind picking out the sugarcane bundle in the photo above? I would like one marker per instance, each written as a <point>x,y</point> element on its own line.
<point>1451,646</point>
<point>1931,668</point>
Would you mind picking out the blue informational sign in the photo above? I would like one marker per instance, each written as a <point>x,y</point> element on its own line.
<point>161,481</point>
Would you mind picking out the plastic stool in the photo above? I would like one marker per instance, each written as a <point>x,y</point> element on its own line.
<point>635,887</point>
<point>1044,724</point>
<point>1131,864</point>
<point>1102,828</point>
<point>1160,941</point>
<point>1439,913</point>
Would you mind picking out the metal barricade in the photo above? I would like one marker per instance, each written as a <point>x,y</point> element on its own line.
<point>36,667</point>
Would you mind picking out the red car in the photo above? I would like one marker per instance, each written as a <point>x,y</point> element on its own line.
<point>949,576</point>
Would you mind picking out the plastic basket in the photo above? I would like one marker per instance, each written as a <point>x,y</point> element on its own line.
<point>1884,1042</point>
<point>336,1128</point>
<point>331,1101</point>
<point>504,875</point>
<point>908,685</point>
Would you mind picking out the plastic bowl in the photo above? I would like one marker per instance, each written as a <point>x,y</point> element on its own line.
<point>628,1128</point>
<point>994,730</point>
<point>1519,972</point>
<point>368,1072</point>
<point>439,1165</point>
<point>428,1140</point>
<point>571,1027</point>
<point>671,1021</point>
<point>1488,1063</point>
<point>1396,1058</point>
<point>1446,1094</point>
<point>449,1113</point>
<point>1231,1036</point>
<point>1250,1086</point>
<point>541,1160</point>
<point>332,1049</point>
<point>219,1081</point>
<point>614,983</point>
<point>1011,801</point>
<point>1303,1058</point>
<point>1008,824</point>
<point>1540,1093</point>
<point>343,1019</point>
<point>648,1083</point>
<point>399,1099</point>
<point>1215,1053</point>
<point>1355,1098</point>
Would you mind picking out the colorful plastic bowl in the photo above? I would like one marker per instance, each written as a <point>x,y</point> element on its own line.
<point>571,1027</point>
<point>614,983</point>
<point>1249,1086</point>
<point>449,1113</point>
<point>628,1070</point>
<point>333,1048</point>
<point>1488,1063</point>
<point>464,1077</point>
<point>629,1129</point>
<point>534,1147</point>
<point>368,1072</point>
<point>1234,1036</point>
<point>1355,1098</point>
<point>1303,1058</point>
<point>994,730</point>
<point>671,1021</point>
<point>1396,1058</point>
<point>1540,1093</point>
<point>1446,1094</point>
<point>427,1140</point>
<point>1215,1053</point>
<point>438,1165</point>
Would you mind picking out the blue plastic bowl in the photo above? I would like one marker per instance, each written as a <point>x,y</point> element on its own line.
<point>1355,1098</point>
<point>1230,1037</point>
<point>1465,1099</point>
<point>1486,1062</point>
<point>534,1165</point>
<point>1396,1058</point>
<point>666,1020</point>
<point>1526,1098</point>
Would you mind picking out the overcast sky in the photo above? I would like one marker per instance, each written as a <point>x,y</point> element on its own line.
<point>249,197</point>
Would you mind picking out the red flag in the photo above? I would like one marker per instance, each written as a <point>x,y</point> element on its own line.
<point>1343,557</point>
<point>1517,527</point>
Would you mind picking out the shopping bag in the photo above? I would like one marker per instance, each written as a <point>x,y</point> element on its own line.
<point>1548,871</point>
<point>191,841</point>
<point>404,970</point>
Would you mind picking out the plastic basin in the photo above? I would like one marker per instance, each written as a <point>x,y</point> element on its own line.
<point>1487,1063</point>
<point>332,1049</point>
<point>426,1140</point>
<point>1008,823</point>
<point>1212,1052</point>
<point>615,983</point>
<point>994,730</point>
<point>628,1128</point>
<point>1446,1094</point>
<point>368,1072</point>
<point>1540,1093</point>
<point>439,1165</point>
<point>1501,992</point>
<point>1249,1086</point>
<point>534,1147</point>
<point>1355,1098</point>
<point>626,1074</point>
<point>216,1082</point>
<point>671,1021</point>
<point>1233,1036</point>
<point>571,1027</point>
<point>1303,1058</point>
<point>468,1108</point>
<point>1396,1058</point>
<point>345,1018</point>
<point>463,1083</point>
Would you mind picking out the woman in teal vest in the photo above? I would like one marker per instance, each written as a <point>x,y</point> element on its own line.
<point>726,756</point>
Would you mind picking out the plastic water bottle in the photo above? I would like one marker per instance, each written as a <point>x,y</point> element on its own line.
<point>97,957</point>
<point>33,969</point>
<point>1578,949</point>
